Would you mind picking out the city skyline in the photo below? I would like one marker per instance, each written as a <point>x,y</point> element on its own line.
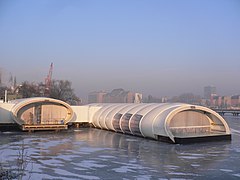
<point>159,48</point>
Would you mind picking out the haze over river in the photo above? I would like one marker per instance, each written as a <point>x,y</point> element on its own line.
<point>98,154</point>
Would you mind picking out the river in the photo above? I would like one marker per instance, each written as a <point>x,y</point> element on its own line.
<point>98,154</point>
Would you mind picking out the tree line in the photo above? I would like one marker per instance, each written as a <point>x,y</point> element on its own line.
<point>59,89</point>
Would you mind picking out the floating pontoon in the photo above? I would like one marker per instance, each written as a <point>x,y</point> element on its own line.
<point>41,114</point>
<point>174,122</point>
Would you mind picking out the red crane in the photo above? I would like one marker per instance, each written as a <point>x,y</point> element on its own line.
<point>48,81</point>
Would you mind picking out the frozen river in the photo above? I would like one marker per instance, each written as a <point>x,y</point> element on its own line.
<point>98,154</point>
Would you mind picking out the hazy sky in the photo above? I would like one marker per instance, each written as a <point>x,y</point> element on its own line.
<point>156,47</point>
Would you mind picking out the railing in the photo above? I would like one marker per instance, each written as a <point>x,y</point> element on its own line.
<point>234,112</point>
<point>35,127</point>
<point>31,122</point>
<point>186,130</point>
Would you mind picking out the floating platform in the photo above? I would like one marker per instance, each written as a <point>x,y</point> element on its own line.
<point>206,138</point>
<point>173,122</point>
<point>39,114</point>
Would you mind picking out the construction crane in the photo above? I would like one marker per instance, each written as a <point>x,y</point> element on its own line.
<point>48,81</point>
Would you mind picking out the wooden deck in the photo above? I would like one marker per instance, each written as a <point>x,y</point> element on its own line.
<point>42,127</point>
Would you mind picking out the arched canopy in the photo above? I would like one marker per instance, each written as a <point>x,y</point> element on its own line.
<point>41,110</point>
<point>160,121</point>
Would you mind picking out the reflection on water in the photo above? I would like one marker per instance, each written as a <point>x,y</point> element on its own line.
<point>99,154</point>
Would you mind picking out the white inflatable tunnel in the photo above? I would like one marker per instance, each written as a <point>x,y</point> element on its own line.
<point>174,122</point>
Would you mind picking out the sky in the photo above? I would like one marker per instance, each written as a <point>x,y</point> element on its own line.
<point>157,47</point>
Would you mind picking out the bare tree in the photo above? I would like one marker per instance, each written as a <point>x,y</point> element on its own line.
<point>29,90</point>
<point>62,90</point>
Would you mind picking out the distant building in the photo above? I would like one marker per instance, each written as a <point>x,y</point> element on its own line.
<point>151,99</point>
<point>115,96</point>
<point>96,97</point>
<point>224,101</point>
<point>187,98</point>
<point>119,96</point>
<point>209,91</point>
<point>215,100</point>
<point>235,101</point>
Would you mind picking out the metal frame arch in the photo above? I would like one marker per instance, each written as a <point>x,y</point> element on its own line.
<point>112,113</point>
<point>158,125</point>
<point>93,107</point>
<point>228,131</point>
<point>124,111</point>
<point>95,120</point>
<point>153,114</point>
<point>143,113</point>
<point>196,108</point>
<point>135,108</point>
<point>161,116</point>
<point>101,118</point>
<point>107,113</point>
